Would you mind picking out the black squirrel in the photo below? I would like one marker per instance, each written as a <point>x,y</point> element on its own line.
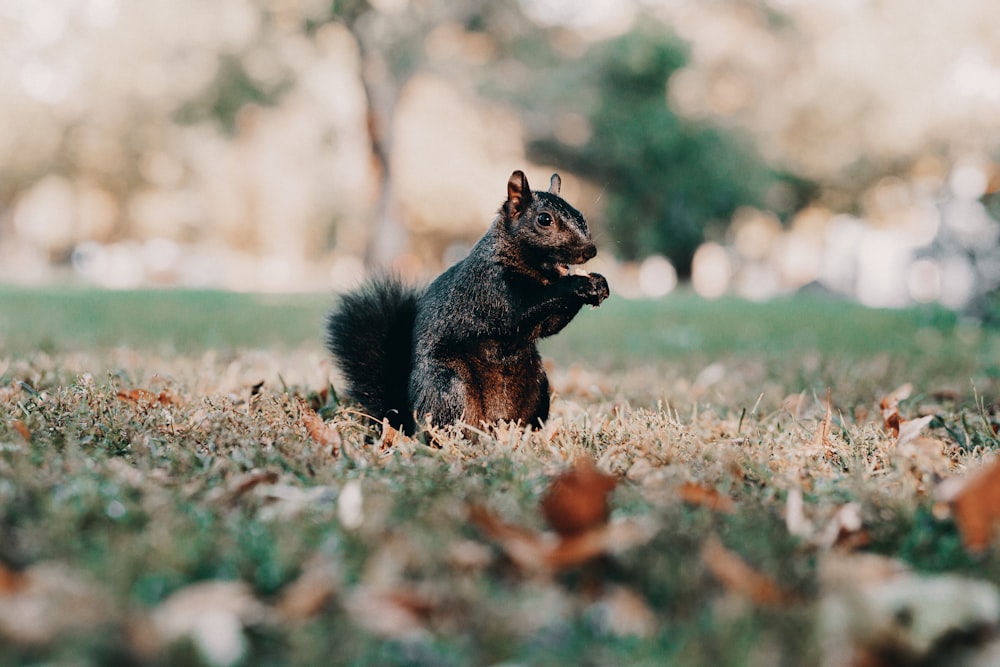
<point>464,349</point>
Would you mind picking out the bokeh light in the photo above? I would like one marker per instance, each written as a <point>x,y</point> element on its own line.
<point>287,146</point>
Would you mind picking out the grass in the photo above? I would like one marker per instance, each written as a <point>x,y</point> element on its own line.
<point>216,475</point>
<point>158,319</point>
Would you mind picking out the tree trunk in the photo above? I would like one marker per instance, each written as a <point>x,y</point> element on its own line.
<point>387,238</point>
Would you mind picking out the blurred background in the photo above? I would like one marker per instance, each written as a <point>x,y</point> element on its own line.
<point>754,148</point>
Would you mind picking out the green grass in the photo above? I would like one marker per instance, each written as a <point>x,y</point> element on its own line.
<point>224,482</point>
<point>620,333</point>
<point>157,319</point>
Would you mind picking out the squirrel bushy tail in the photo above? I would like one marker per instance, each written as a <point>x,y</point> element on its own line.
<point>370,334</point>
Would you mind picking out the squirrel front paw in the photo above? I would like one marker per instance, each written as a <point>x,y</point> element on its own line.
<point>592,288</point>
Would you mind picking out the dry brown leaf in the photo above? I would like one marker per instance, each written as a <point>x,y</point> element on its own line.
<point>323,433</point>
<point>140,396</point>
<point>976,507</point>
<point>11,580</point>
<point>928,460</point>
<point>49,600</point>
<point>145,397</point>
<point>545,552</point>
<point>704,496</point>
<point>736,576</point>
<point>890,407</point>
<point>527,548</point>
<point>574,550</point>
<point>21,428</point>
<point>821,438</point>
<point>395,614</point>
<point>284,501</point>
<point>845,529</point>
<point>389,434</point>
<point>577,500</point>
<point>312,591</point>
<point>10,393</point>
<point>248,481</point>
<point>576,506</point>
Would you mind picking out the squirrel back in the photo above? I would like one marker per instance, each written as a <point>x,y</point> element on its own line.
<point>465,348</point>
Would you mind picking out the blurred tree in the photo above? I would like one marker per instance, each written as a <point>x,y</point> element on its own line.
<point>230,90</point>
<point>667,179</point>
<point>391,38</point>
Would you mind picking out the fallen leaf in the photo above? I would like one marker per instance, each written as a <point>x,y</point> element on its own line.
<point>248,481</point>
<point>910,429</point>
<point>795,517</point>
<point>976,507</point>
<point>736,576</point>
<point>10,393</point>
<point>145,397</point>
<point>845,529</point>
<point>577,500</point>
<point>821,438</point>
<point>890,407</point>
<point>469,555</point>
<point>927,458</point>
<point>526,548</point>
<point>350,505</point>
<point>622,612</point>
<point>546,552</point>
<point>704,496</point>
<point>284,501</point>
<point>389,434</point>
<point>874,607</point>
<point>212,615</point>
<point>312,591</point>
<point>48,601</point>
<point>137,396</point>
<point>11,580</point>
<point>323,433</point>
<point>838,570</point>
<point>21,428</point>
<point>610,538</point>
<point>576,506</point>
<point>395,613</point>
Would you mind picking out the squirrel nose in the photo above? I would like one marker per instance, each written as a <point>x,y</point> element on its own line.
<point>589,252</point>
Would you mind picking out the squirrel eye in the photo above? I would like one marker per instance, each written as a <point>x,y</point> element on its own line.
<point>544,219</point>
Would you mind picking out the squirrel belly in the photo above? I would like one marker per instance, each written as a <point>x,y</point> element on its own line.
<point>464,349</point>
<point>474,360</point>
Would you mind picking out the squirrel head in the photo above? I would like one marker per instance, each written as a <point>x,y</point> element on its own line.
<point>541,235</point>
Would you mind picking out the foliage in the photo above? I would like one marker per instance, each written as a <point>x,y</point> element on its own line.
<point>231,91</point>
<point>667,180</point>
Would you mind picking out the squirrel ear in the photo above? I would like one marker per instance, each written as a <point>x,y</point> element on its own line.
<point>555,183</point>
<point>518,193</point>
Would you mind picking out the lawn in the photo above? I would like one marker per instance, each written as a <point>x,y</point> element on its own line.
<point>178,484</point>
